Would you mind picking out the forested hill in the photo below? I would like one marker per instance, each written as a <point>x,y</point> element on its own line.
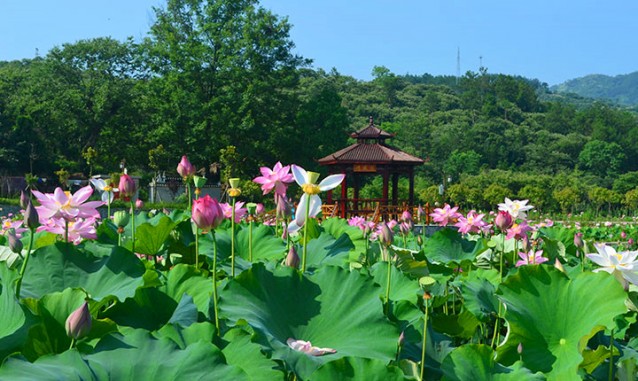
<point>621,89</point>
<point>193,88</point>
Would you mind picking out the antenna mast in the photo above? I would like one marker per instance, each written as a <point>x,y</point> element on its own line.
<point>458,64</point>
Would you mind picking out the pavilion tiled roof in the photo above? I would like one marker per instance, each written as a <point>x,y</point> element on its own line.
<point>370,153</point>
<point>371,132</point>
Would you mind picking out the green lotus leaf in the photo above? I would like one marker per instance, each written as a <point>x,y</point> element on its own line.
<point>150,236</point>
<point>401,287</point>
<point>337,226</point>
<point>409,265</point>
<point>49,335</point>
<point>11,314</point>
<point>9,257</point>
<point>476,362</point>
<point>120,357</point>
<point>266,246</point>
<point>357,368</point>
<point>332,308</point>
<point>60,266</point>
<point>553,317</point>
<point>185,313</point>
<point>185,336</point>
<point>149,308</point>
<point>478,294</point>
<point>186,279</point>
<point>117,357</point>
<point>461,325</point>
<point>243,353</point>
<point>438,346</point>
<point>447,246</point>
<point>327,250</point>
<point>66,366</point>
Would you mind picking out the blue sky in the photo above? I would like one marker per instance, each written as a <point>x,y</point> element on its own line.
<point>552,40</point>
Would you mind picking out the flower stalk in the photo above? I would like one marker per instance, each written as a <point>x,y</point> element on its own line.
<point>214,273</point>
<point>426,299</point>
<point>24,263</point>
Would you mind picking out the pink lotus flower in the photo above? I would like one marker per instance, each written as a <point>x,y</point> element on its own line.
<point>443,216</point>
<point>207,213</point>
<point>531,258</point>
<point>357,221</point>
<point>78,229</point>
<point>65,205</point>
<point>240,212</point>
<point>8,224</point>
<point>275,178</point>
<point>307,348</point>
<point>185,168</point>
<point>473,223</point>
<point>518,231</point>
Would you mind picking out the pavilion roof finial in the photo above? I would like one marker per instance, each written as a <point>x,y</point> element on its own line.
<point>371,120</point>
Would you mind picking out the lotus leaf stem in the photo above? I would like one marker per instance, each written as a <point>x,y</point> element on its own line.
<point>24,264</point>
<point>232,241</point>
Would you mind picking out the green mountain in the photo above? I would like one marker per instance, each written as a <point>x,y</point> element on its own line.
<point>621,89</point>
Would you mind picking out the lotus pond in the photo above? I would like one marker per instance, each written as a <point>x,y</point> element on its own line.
<point>156,295</point>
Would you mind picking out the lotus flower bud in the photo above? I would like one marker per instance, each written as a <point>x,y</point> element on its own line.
<point>292,259</point>
<point>139,204</point>
<point>284,232</point>
<point>578,240</point>
<point>559,266</point>
<point>406,216</point>
<point>78,324</point>
<point>199,181</point>
<point>630,241</point>
<point>31,219</point>
<point>185,168</point>
<point>284,210</point>
<point>420,214</point>
<point>525,243</point>
<point>623,235</point>
<point>14,242</point>
<point>401,339</point>
<point>126,186</point>
<point>385,235</point>
<point>207,213</point>
<point>259,210</point>
<point>24,200</point>
<point>419,240</point>
<point>404,228</point>
<point>519,348</point>
<point>503,220</point>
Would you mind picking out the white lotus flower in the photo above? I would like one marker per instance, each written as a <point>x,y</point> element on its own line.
<point>622,265</point>
<point>310,198</point>
<point>516,208</point>
<point>105,189</point>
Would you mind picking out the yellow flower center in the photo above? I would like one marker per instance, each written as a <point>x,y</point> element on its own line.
<point>311,189</point>
<point>234,192</point>
<point>108,188</point>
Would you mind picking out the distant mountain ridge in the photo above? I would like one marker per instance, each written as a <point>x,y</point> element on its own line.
<point>621,89</point>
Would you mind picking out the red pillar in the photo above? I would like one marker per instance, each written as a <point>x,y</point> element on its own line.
<point>411,191</point>
<point>344,196</point>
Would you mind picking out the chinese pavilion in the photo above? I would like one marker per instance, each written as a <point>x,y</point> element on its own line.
<point>370,155</point>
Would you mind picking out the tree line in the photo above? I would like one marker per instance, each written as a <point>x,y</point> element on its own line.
<point>218,81</point>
